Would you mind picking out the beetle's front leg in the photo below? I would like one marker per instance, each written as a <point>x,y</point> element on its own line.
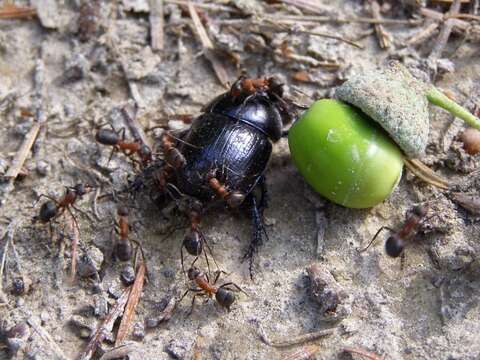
<point>256,209</point>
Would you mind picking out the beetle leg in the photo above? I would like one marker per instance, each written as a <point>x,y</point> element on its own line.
<point>256,213</point>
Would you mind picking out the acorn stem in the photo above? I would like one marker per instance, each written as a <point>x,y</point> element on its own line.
<point>438,98</point>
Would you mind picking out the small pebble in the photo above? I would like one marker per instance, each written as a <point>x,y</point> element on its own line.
<point>82,327</point>
<point>127,275</point>
<point>115,289</point>
<point>151,322</point>
<point>100,308</point>
<point>138,331</point>
<point>43,168</point>
<point>176,349</point>
<point>471,141</point>
<point>169,273</point>
<point>18,286</point>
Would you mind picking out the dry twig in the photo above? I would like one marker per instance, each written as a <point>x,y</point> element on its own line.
<point>12,11</point>
<point>107,325</point>
<point>384,38</point>
<point>444,35</point>
<point>208,48</point>
<point>133,299</point>
<point>304,353</point>
<point>22,153</point>
<point>367,354</point>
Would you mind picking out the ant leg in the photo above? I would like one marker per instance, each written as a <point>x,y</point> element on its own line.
<point>234,285</point>
<point>376,235</point>
<point>217,275</point>
<point>48,197</point>
<point>193,302</point>
<point>258,232</point>
<point>114,150</point>
<point>84,213</point>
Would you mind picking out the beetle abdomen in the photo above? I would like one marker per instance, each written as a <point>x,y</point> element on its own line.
<point>232,151</point>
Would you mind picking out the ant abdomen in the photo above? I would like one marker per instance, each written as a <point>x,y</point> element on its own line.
<point>394,246</point>
<point>123,250</point>
<point>225,298</point>
<point>107,137</point>
<point>48,211</point>
<point>193,244</point>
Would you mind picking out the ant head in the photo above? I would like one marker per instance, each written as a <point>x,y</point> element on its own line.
<point>82,189</point>
<point>394,246</point>
<point>145,152</point>
<point>107,137</point>
<point>193,273</point>
<point>193,243</point>
<point>225,297</point>
<point>48,211</point>
<point>122,211</point>
<point>420,211</point>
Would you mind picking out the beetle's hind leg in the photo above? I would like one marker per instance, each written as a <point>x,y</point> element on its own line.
<point>256,209</point>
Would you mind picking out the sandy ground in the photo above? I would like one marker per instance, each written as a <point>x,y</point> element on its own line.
<point>424,307</point>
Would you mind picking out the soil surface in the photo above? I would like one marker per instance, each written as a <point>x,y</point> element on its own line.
<point>73,75</point>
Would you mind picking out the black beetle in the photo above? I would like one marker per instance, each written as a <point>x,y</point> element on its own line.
<point>223,156</point>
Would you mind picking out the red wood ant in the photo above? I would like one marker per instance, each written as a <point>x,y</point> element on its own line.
<point>123,247</point>
<point>53,208</point>
<point>116,139</point>
<point>195,242</point>
<point>398,240</point>
<point>223,294</point>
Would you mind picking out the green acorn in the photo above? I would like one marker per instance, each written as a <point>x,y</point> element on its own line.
<point>354,155</point>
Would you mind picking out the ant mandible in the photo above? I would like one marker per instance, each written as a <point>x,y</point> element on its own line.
<point>116,139</point>
<point>223,294</point>
<point>399,239</point>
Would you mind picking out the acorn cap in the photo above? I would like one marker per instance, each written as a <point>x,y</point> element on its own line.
<point>395,100</point>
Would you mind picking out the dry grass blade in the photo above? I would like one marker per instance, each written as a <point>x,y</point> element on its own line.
<point>310,5</point>
<point>469,202</point>
<point>119,352</point>
<point>156,24</point>
<point>106,326</point>
<point>295,340</point>
<point>75,239</point>
<point>12,11</point>
<point>364,353</point>
<point>208,47</point>
<point>426,174</point>
<point>131,304</point>
<point>22,153</point>
<point>303,353</point>
<point>9,235</point>
<point>48,339</point>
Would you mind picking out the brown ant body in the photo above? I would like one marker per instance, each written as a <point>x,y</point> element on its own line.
<point>195,242</point>
<point>398,240</point>
<point>116,139</point>
<point>224,295</point>
<point>53,208</point>
<point>123,248</point>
